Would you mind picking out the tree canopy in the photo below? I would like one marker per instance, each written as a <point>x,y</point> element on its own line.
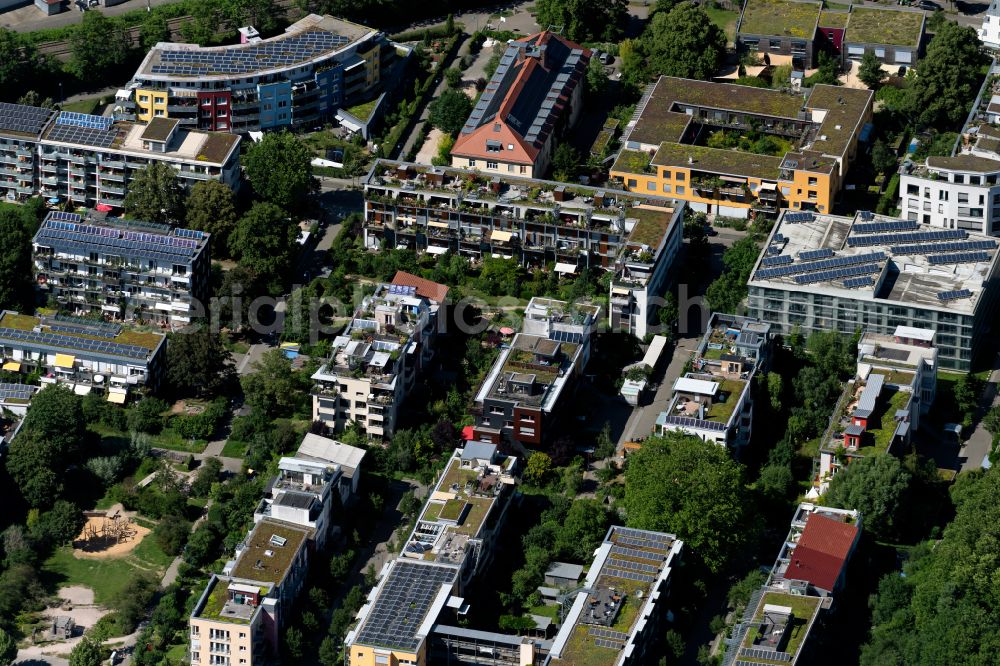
<point>17,58</point>
<point>96,46</point>
<point>727,292</point>
<point>681,484</point>
<point>583,20</point>
<point>16,229</point>
<point>685,43</point>
<point>211,208</point>
<point>450,110</point>
<point>948,78</point>
<point>264,242</point>
<point>870,70</point>
<point>280,169</point>
<point>155,195</point>
<point>198,363</point>
<point>877,486</point>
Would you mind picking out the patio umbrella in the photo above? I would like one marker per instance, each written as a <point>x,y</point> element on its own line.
<point>506,330</point>
<point>104,208</point>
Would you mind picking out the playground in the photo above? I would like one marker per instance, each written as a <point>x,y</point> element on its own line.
<point>108,534</point>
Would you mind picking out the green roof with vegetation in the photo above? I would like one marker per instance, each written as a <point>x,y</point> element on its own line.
<point>730,96</point>
<point>879,434</point>
<point>717,160</point>
<point>216,601</point>
<point>884,26</point>
<point>721,412</point>
<point>126,336</point>
<point>256,564</point>
<point>780,17</point>
<point>803,609</point>
<point>632,161</point>
<point>658,124</point>
<point>650,227</point>
<point>834,19</point>
<point>362,111</point>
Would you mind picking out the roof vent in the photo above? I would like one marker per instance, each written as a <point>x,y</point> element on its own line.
<point>837,127</point>
<point>690,160</point>
<point>269,553</point>
<point>822,137</point>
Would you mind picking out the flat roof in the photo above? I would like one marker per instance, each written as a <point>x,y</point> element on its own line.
<point>803,613</point>
<point>895,27</point>
<point>669,90</point>
<point>699,386</point>
<point>845,110</point>
<point>718,160</point>
<point>22,121</point>
<point>67,333</point>
<point>402,603</point>
<point>270,550</point>
<point>964,162</point>
<point>159,129</point>
<point>326,450</point>
<point>788,18</point>
<point>907,263</point>
<point>309,40</point>
<point>834,19</point>
<point>659,124</point>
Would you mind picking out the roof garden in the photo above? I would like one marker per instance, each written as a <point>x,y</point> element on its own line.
<point>729,96</point>
<point>882,424</point>
<point>633,161</point>
<point>803,610</point>
<point>834,19</point>
<point>218,607</point>
<point>846,108</point>
<point>658,124</point>
<point>21,322</point>
<point>270,551</point>
<point>470,504</point>
<point>884,26</point>
<point>717,160</point>
<point>780,17</point>
<point>721,411</point>
<point>651,224</point>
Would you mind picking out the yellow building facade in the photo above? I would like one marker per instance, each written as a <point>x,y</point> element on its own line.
<point>150,104</point>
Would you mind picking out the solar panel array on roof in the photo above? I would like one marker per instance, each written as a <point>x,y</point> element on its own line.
<point>628,575</point>
<point>858,282</point>
<point>637,554</point>
<point>601,632</point>
<point>402,605</point>
<point>402,289</point>
<point>871,392</point>
<point>83,136</point>
<point>882,227</point>
<point>607,643</point>
<point>64,233</point>
<point>687,422</point>
<point>837,273</point>
<point>23,118</point>
<point>937,248</point>
<point>241,60</point>
<point>812,255</point>
<point>799,217</point>
<point>954,295</point>
<point>780,260</point>
<point>820,265</point>
<point>85,120</point>
<point>74,342</point>
<point>918,237</point>
<point>958,258</point>
<point>866,215</point>
<point>770,655</point>
<point>632,566</point>
<point>16,391</point>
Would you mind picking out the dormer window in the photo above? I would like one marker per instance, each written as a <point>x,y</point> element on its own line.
<point>494,146</point>
<point>496,127</point>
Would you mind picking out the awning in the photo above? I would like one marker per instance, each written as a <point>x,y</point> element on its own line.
<point>81,389</point>
<point>768,186</point>
<point>12,366</point>
<point>502,236</point>
<point>439,225</point>
<point>566,268</point>
<point>117,398</point>
<point>65,361</point>
<point>434,249</point>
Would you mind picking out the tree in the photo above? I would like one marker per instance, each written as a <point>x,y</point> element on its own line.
<point>155,195</point>
<point>97,45</point>
<point>877,486</point>
<point>775,387</point>
<point>684,43</point>
<point>870,70</point>
<point>449,111</point>
<point>684,485</point>
<point>583,20</point>
<point>16,289</point>
<point>264,242</point>
<point>153,29</point>
<point>172,533</point>
<point>538,467</point>
<point>449,25</point>
<point>198,363</point>
<point>294,643</point>
<point>208,474</point>
<point>565,162</point>
<point>59,525</point>
<point>147,415</point>
<point>453,76</point>
<point>17,59</point>
<point>205,20</point>
<point>280,169</point>
<point>212,209</point>
<point>597,79</point>
<point>262,14</point>
<point>991,421</point>
<point>273,387</point>
<point>883,158</point>
<point>88,651</point>
<point>948,78</point>
<point>8,648</point>
<point>582,530</point>
<point>726,293</point>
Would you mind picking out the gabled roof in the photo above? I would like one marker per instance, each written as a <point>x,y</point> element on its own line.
<point>524,99</point>
<point>425,288</point>
<point>822,551</point>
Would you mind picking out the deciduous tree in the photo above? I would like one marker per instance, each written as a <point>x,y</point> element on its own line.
<point>870,70</point>
<point>583,20</point>
<point>264,242</point>
<point>155,195</point>
<point>16,290</point>
<point>8,648</point>
<point>948,78</point>
<point>449,111</point>
<point>17,60</point>
<point>88,651</point>
<point>198,363</point>
<point>877,486</point>
<point>211,208</point>
<point>538,467</point>
<point>280,169</point>
<point>97,45</point>
<point>684,43</point>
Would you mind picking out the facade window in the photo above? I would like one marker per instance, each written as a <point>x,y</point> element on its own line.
<point>812,181</point>
<point>680,189</point>
<point>651,185</point>
<point>774,44</point>
<point>812,194</point>
<point>524,169</point>
<point>667,189</point>
<point>472,163</point>
<point>667,174</point>
<point>681,177</point>
<point>912,189</point>
<point>963,197</point>
<point>631,182</point>
<point>959,178</point>
<point>942,195</point>
<point>491,165</point>
<point>974,180</point>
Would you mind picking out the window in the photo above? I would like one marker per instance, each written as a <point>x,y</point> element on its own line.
<point>491,165</point>
<point>651,186</point>
<point>812,194</point>
<point>959,178</point>
<point>974,180</point>
<point>666,189</point>
<point>879,52</point>
<point>631,182</point>
<point>524,169</point>
<point>963,197</point>
<point>812,181</point>
<point>913,189</point>
<point>942,195</point>
<point>472,163</point>
<point>681,176</point>
<point>667,174</point>
<point>680,189</point>
<point>774,44</point>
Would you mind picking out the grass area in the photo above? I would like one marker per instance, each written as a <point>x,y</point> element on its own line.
<point>234,449</point>
<point>717,160</point>
<point>176,654</point>
<point>633,161</point>
<point>168,438</point>
<point>106,578</point>
<point>433,511</point>
<point>82,105</point>
<point>802,612</point>
<point>837,19</point>
<point>452,509</point>
<point>761,145</point>
<point>362,111</point>
<point>884,26</point>
<point>650,226</point>
<point>545,610</point>
<point>725,19</point>
<point>780,17</point>
<point>722,411</point>
<point>887,424</point>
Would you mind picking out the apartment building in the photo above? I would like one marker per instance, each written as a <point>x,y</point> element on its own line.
<point>715,400</point>
<point>375,362</point>
<point>872,273</point>
<point>882,406</point>
<point>810,568</point>
<point>520,400</point>
<point>123,269</point>
<point>989,34</point>
<point>303,492</point>
<point>299,78</point>
<point>89,160</point>
<point>411,615</point>
<point>895,36</point>
<point>667,145</point>
<point>781,31</point>
<point>622,609</point>
<point>83,355</point>
<point>537,222</point>
<point>240,616</point>
<point>532,99</point>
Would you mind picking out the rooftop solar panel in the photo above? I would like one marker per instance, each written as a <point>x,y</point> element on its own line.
<point>776,261</point>
<point>810,255</point>
<point>938,248</point>
<point>954,295</point>
<point>898,238</point>
<point>958,258</point>
<point>858,282</point>
<point>882,227</point>
<point>23,119</point>
<point>16,391</point>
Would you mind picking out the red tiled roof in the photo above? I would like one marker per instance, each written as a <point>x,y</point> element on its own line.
<point>426,288</point>
<point>822,551</point>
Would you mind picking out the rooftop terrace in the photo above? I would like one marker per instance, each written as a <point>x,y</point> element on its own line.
<point>219,607</point>
<point>759,646</point>
<point>884,26</point>
<point>780,17</point>
<point>270,550</point>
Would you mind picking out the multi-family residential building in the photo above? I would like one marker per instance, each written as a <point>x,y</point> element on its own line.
<point>810,568</point>
<point>537,222</point>
<point>667,146</point>
<point>82,354</point>
<point>301,77</point>
<point>532,99</point>
<point>123,269</point>
<point>895,36</point>
<point>871,273</point>
<point>302,493</point>
<point>989,34</point>
<point>715,400</point>
<point>782,31</point>
<point>242,613</point>
<point>411,616</point>
<point>90,160</point>
<point>520,400</point>
<point>894,386</point>
<point>375,362</point>
<point>622,609</point>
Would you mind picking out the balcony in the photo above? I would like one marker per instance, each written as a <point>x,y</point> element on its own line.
<point>112,189</point>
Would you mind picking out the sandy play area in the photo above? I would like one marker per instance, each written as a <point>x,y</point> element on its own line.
<point>108,536</point>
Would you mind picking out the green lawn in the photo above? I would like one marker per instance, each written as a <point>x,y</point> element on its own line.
<point>725,19</point>
<point>105,577</point>
<point>83,105</point>
<point>167,439</point>
<point>234,449</point>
